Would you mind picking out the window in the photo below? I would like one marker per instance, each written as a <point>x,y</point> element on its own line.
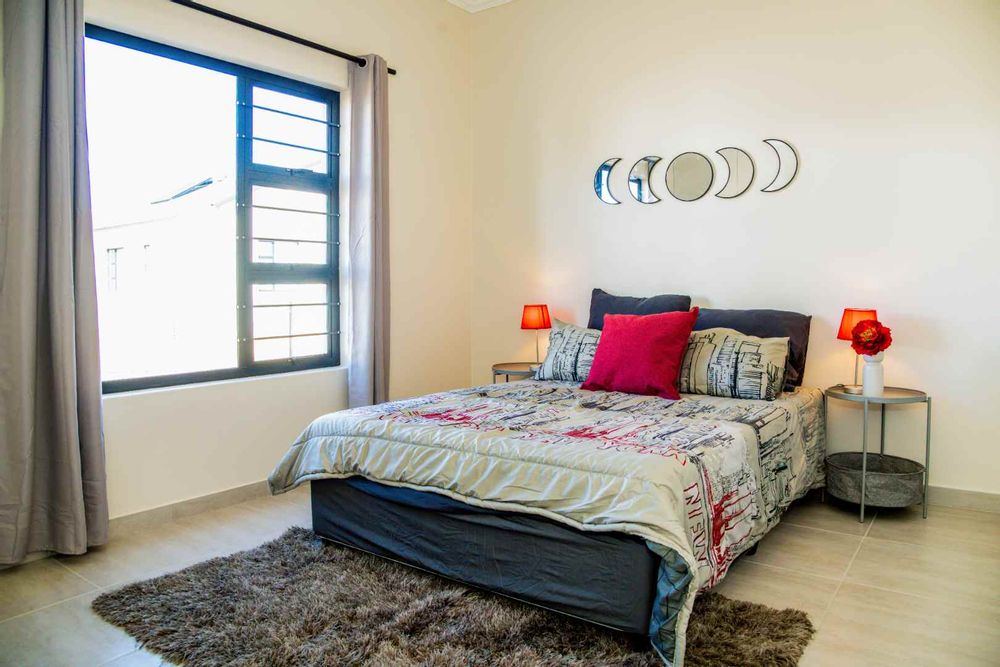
<point>231,175</point>
<point>113,269</point>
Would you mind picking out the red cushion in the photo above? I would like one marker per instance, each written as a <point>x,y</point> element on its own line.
<point>641,354</point>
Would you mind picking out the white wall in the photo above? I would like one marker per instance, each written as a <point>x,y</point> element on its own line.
<point>894,108</point>
<point>169,445</point>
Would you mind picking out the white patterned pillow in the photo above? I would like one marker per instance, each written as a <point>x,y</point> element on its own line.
<point>571,353</point>
<point>725,362</point>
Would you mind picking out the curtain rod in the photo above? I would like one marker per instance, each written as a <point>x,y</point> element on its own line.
<point>226,16</point>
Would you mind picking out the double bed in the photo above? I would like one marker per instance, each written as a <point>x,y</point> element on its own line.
<point>611,507</point>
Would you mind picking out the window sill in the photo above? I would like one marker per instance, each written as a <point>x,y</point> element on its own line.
<point>209,383</point>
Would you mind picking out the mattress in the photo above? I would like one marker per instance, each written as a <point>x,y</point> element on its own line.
<point>699,480</point>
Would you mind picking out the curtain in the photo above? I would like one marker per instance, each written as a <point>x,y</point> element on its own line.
<point>53,494</point>
<point>368,222</point>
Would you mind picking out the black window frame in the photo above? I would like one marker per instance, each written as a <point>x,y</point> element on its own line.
<point>249,174</point>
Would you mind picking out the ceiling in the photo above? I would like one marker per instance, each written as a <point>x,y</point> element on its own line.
<point>473,6</point>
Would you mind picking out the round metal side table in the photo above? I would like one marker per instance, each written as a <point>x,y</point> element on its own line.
<point>516,369</point>
<point>891,396</point>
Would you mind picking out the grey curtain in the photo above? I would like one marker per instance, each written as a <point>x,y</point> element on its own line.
<point>53,494</point>
<point>368,223</point>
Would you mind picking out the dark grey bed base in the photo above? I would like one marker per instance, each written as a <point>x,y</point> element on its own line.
<point>604,578</point>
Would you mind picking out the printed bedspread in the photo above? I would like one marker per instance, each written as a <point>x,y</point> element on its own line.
<point>700,479</point>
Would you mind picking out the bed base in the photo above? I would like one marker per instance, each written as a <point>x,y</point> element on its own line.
<point>603,578</point>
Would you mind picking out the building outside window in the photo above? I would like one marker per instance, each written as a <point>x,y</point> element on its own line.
<point>113,269</point>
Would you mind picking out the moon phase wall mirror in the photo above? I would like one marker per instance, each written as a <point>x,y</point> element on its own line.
<point>788,165</point>
<point>602,181</point>
<point>640,180</point>
<point>741,172</point>
<point>689,176</point>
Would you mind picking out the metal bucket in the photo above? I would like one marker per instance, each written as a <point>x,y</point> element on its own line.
<point>892,481</point>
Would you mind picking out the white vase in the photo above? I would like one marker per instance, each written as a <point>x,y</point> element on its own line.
<point>873,375</point>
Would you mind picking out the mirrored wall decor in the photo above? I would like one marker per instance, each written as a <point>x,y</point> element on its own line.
<point>741,172</point>
<point>788,165</point>
<point>689,176</point>
<point>602,181</point>
<point>640,180</point>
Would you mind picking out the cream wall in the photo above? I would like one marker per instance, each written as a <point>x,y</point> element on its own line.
<point>169,445</point>
<point>894,108</point>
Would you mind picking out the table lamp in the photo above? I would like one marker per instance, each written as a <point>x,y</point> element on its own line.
<point>535,317</point>
<point>848,321</point>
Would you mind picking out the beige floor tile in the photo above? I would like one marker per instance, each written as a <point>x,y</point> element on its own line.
<point>962,574</point>
<point>830,515</point>
<point>138,658</point>
<point>178,544</point>
<point>944,526</point>
<point>781,589</point>
<point>818,552</point>
<point>300,493</point>
<point>141,555</point>
<point>38,584</point>
<point>68,633</point>
<point>241,527</point>
<point>867,626</point>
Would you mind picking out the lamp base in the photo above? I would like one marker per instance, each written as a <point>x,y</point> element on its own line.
<point>853,389</point>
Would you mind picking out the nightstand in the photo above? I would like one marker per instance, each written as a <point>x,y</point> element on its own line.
<point>517,369</point>
<point>878,479</point>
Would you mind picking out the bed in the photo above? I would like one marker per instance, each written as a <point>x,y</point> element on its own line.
<point>611,507</point>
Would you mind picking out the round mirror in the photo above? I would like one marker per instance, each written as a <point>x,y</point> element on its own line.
<point>639,180</point>
<point>689,176</point>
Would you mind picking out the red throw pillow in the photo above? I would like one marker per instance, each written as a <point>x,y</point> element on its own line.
<point>641,354</point>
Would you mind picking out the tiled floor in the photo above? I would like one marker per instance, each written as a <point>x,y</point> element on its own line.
<point>897,590</point>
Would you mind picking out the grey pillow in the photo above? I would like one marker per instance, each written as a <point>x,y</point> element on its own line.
<point>602,303</point>
<point>766,324</point>
<point>571,353</point>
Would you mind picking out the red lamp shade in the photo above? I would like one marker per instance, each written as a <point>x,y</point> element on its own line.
<point>536,316</point>
<point>851,317</point>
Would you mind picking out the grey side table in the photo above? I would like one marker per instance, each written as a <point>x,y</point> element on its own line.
<point>891,396</point>
<point>517,369</point>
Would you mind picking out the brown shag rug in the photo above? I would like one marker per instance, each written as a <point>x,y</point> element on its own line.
<point>299,600</point>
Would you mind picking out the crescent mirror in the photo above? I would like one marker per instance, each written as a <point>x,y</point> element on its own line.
<point>640,180</point>
<point>741,172</point>
<point>788,165</point>
<point>689,176</point>
<point>602,181</point>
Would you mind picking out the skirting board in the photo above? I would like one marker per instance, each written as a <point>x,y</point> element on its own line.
<point>939,495</point>
<point>961,499</point>
<point>213,501</point>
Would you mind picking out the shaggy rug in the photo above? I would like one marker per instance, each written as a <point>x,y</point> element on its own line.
<point>301,601</point>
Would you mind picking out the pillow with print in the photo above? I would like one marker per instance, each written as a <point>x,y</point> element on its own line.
<point>725,362</point>
<point>570,354</point>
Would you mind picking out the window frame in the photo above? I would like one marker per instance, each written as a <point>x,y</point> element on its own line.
<point>112,267</point>
<point>249,174</point>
